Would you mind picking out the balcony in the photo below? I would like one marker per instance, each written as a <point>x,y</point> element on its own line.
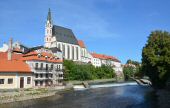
<point>59,70</point>
<point>43,69</point>
<point>43,78</point>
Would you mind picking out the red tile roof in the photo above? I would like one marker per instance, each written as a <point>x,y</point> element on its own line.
<point>14,66</point>
<point>104,57</point>
<point>17,64</point>
<point>81,44</point>
<point>36,58</point>
<point>3,55</point>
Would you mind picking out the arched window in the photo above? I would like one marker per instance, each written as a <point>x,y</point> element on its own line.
<point>73,52</point>
<point>68,51</point>
<point>59,46</point>
<point>63,50</point>
<point>77,52</point>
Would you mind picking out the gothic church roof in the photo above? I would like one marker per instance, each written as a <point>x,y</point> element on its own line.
<point>64,35</point>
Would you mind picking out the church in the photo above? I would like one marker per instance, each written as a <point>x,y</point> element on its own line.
<point>74,49</point>
<point>64,39</point>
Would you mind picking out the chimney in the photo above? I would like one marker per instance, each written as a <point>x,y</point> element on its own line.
<point>10,49</point>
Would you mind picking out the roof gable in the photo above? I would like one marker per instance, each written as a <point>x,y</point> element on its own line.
<point>81,44</point>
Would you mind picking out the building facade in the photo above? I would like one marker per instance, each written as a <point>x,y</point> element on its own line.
<point>100,59</point>
<point>35,67</point>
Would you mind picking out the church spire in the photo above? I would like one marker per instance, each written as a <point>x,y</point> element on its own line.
<point>49,16</point>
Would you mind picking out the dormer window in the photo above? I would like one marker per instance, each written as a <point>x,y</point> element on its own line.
<point>39,55</point>
<point>55,58</point>
<point>51,58</point>
<point>46,57</point>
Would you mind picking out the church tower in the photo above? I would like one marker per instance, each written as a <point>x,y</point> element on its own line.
<point>48,30</point>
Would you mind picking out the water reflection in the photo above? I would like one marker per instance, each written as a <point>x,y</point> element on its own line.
<point>132,96</point>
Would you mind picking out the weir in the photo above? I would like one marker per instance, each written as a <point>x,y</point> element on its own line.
<point>83,87</point>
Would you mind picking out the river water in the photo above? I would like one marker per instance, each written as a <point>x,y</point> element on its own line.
<point>123,96</point>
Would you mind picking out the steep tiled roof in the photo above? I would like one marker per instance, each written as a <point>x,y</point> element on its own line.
<point>14,66</point>
<point>63,34</point>
<point>104,57</point>
<point>81,44</point>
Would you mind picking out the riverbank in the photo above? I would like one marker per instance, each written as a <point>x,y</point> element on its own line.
<point>8,96</point>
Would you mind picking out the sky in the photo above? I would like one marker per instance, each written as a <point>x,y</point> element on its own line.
<point>114,27</point>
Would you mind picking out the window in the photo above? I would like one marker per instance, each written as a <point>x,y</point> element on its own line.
<point>41,83</point>
<point>39,55</point>
<point>36,75</point>
<point>10,81</point>
<point>41,75</point>
<point>41,65</point>
<point>59,47</point>
<point>36,83</point>
<point>28,80</point>
<point>46,75</point>
<point>60,75</point>
<point>46,66</point>
<point>63,50</point>
<point>73,52</point>
<point>1,81</point>
<point>77,53</point>
<point>36,65</point>
<point>51,66</point>
<point>58,67</point>
<point>59,81</point>
<point>68,49</point>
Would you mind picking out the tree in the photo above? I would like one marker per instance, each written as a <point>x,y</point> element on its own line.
<point>74,71</point>
<point>156,58</point>
<point>128,72</point>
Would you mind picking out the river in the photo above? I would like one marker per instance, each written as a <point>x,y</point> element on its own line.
<point>123,96</point>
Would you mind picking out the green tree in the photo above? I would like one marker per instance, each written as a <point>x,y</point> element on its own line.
<point>74,71</point>
<point>156,58</point>
<point>128,72</point>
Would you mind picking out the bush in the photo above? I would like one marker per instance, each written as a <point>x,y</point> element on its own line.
<point>74,71</point>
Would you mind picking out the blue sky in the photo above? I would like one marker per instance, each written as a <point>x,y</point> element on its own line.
<point>114,27</point>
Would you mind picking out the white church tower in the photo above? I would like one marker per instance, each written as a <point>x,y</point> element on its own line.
<point>48,31</point>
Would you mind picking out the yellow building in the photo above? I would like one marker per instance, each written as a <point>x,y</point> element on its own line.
<point>14,73</point>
